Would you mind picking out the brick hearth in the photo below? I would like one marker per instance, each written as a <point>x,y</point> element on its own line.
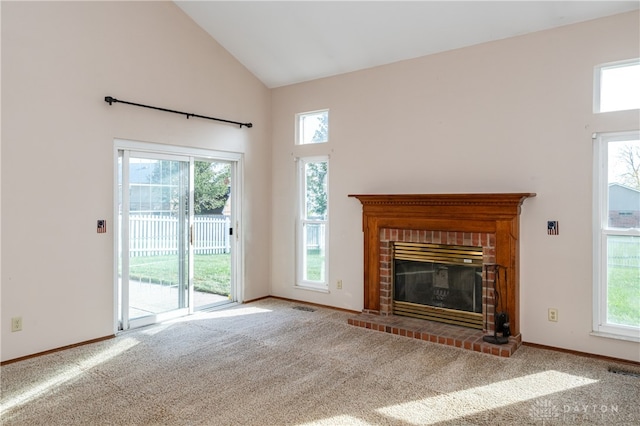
<point>436,332</point>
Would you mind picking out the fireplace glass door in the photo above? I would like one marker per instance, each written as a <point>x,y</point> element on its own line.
<point>438,282</point>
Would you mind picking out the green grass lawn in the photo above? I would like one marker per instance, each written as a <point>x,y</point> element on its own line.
<point>623,287</point>
<point>315,265</point>
<point>212,272</point>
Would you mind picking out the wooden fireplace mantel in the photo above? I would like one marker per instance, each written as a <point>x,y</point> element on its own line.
<point>496,213</point>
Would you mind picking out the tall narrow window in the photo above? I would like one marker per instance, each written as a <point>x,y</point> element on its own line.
<point>313,173</point>
<point>617,86</point>
<point>617,234</point>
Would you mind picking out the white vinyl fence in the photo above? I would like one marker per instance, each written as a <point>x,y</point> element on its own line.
<point>158,236</point>
<point>623,252</point>
<point>315,236</point>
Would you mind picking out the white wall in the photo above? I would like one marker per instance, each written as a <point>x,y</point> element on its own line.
<point>507,116</point>
<point>59,61</point>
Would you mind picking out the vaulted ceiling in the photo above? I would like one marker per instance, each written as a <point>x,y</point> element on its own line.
<point>286,42</point>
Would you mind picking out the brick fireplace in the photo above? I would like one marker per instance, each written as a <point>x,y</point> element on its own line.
<point>490,221</point>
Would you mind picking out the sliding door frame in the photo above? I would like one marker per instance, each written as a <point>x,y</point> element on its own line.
<point>236,242</point>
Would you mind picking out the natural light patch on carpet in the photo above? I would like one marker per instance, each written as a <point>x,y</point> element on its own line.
<point>68,374</point>
<point>222,313</point>
<point>472,401</point>
<point>155,329</point>
<point>338,420</point>
<point>237,312</point>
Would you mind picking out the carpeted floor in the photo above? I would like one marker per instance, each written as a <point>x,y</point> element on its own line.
<point>268,363</point>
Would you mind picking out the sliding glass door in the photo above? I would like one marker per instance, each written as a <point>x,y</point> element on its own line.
<point>174,235</point>
<point>212,231</point>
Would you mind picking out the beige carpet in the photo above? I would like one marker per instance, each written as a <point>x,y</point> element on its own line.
<point>269,363</point>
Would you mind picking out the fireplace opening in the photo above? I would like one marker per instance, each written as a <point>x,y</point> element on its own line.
<point>438,282</point>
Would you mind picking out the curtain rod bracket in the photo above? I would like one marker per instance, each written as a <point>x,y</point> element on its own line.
<point>111,100</point>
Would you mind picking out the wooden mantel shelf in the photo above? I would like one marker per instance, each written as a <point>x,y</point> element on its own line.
<point>477,204</point>
<point>495,213</point>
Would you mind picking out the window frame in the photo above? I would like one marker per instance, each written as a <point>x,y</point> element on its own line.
<point>597,83</point>
<point>601,231</point>
<point>302,221</point>
<point>298,130</point>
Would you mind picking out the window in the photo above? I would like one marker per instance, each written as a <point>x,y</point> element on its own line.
<point>311,259</point>
<point>312,127</point>
<point>617,86</point>
<point>617,235</point>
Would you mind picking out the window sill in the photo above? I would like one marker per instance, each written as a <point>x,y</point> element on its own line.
<point>316,289</point>
<point>615,336</point>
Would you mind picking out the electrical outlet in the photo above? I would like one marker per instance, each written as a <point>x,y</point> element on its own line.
<point>339,285</point>
<point>16,324</point>
<point>553,314</point>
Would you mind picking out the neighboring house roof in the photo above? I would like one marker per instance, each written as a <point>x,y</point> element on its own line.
<point>623,198</point>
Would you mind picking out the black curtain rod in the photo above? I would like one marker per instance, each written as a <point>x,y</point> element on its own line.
<point>112,100</point>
